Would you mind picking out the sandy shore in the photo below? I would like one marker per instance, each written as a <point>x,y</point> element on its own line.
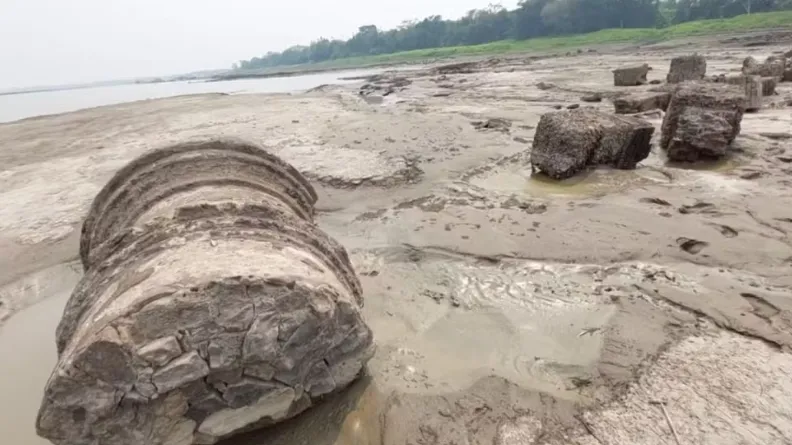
<point>508,309</point>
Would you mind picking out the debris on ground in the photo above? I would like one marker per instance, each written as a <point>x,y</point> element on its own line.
<point>495,124</point>
<point>593,97</point>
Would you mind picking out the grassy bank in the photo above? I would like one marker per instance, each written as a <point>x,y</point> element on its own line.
<point>779,19</point>
<point>770,20</point>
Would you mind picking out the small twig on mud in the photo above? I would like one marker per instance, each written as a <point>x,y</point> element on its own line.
<point>668,418</point>
<point>588,428</point>
<point>588,331</point>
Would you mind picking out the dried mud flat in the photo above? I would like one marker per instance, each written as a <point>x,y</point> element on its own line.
<point>508,309</point>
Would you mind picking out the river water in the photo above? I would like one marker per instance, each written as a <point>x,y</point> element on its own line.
<point>20,106</point>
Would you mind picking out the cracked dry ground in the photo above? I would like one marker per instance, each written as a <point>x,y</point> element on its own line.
<point>507,309</point>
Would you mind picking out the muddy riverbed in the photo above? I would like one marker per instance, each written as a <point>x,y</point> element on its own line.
<point>508,309</point>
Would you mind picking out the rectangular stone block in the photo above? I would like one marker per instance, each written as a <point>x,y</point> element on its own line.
<point>685,68</point>
<point>726,102</point>
<point>566,142</point>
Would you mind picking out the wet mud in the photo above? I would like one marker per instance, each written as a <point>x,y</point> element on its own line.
<point>507,308</point>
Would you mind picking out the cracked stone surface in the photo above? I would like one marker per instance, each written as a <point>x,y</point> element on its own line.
<point>567,142</point>
<point>702,120</point>
<point>209,298</point>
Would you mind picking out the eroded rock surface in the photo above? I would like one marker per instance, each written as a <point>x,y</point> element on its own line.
<point>630,76</point>
<point>568,141</point>
<point>768,83</point>
<point>702,120</point>
<point>211,304</point>
<point>684,68</point>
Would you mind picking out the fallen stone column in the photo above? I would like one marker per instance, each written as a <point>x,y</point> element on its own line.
<point>684,68</point>
<point>566,142</point>
<point>702,121</point>
<point>211,304</point>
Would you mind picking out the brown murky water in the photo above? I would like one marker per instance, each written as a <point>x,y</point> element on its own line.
<point>349,418</point>
<point>27,345</point>
<point>591,183</point>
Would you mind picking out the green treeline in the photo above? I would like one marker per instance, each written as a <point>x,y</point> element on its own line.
<point>532,18</point>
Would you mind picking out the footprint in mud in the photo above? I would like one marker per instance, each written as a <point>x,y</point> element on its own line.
<point>698,207</point>
<point>691,246</point>
<point>726,231</point>
<point>658,201</point>
<point>761,307</point>
<point>751,174</point>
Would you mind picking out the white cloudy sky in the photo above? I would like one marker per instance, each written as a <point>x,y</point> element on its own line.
<point>64,41</point>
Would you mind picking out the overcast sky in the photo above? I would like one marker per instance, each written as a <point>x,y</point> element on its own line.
<point>45,42</point>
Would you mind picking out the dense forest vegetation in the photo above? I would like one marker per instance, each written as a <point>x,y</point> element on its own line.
<point>532,18</point>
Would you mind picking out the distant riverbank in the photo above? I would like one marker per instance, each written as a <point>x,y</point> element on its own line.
<point>779,20</point>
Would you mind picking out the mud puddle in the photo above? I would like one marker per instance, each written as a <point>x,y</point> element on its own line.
<point>27,343</point>
<point>30,289</point>
<point>594,182</point>
<point>451,323</point>
<point>600,181</point>
<point>352,417</point>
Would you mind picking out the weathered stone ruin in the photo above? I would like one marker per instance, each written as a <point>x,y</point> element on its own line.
<point>772,67</point>
<point>702,120</point>
<point>630,76</point>
<point>787,77</point>
<point>640,102</point>
<point>684,68</point>
<point>566,142</point>
<point>752,85</point>
<point>211,304</point>
<point>768,83</point>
